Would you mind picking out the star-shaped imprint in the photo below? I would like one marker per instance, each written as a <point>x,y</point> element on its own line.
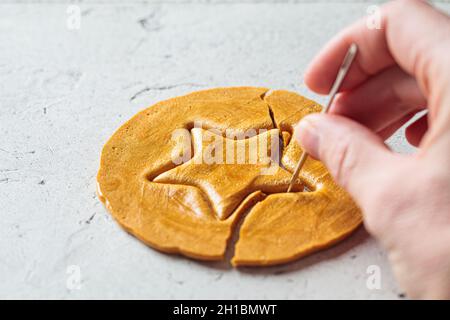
<point>228,170</point>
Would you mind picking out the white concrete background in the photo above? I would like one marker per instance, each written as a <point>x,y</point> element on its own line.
<point>63,93</point>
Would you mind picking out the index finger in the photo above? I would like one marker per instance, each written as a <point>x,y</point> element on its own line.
<point>408,30</point>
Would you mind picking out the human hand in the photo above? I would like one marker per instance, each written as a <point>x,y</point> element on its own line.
<point>402,68</point>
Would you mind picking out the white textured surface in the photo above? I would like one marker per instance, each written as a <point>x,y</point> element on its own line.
<point>63,93</point>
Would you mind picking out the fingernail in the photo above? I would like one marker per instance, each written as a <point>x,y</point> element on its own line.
<point>307,135</point>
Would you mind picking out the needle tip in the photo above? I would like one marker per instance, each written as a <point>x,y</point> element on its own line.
<point>353,48</point>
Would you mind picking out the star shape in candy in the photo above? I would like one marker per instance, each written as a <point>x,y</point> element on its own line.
<point>228,170</point>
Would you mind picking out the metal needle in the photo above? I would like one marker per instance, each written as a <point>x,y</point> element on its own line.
<point>345,66</point>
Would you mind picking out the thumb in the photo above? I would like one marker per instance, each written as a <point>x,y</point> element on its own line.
<point>354,155</point>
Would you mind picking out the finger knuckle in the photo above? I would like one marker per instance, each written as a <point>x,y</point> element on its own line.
<point>387,202</point>
<point>378,210</point>
<point>342,160</point>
